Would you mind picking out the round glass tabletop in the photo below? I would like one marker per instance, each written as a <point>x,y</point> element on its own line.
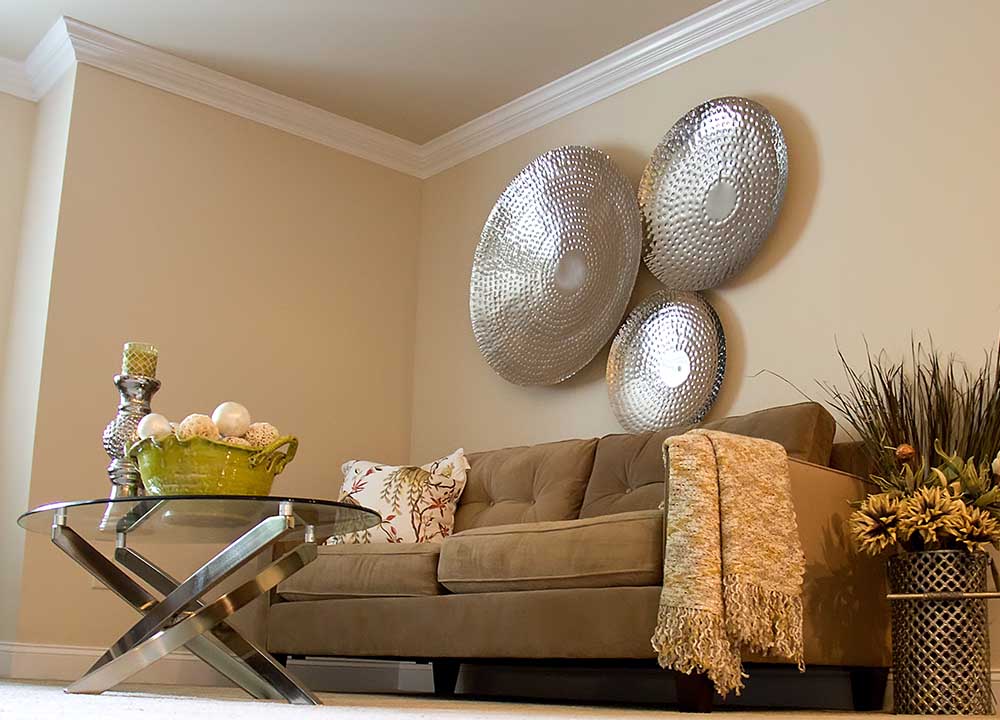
<point>195,518</point>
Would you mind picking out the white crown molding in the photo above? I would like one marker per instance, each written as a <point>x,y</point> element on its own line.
<point>695,35</point>
<point>50,59</point>
<point>113,53</point>
<point>70,41</point>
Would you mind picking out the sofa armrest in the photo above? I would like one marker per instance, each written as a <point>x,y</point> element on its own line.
<point>846,613</point>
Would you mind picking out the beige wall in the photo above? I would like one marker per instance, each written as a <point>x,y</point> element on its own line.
<point>890,116</point>
<point>268,269</point>
<point>34,142</point>
<point>17,129</point>
<point>890,113</point>
<point>279,273</point>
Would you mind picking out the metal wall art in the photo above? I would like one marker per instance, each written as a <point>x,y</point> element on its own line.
<point>667,362</point>
<point>711,192</point>
<point>555,266</point>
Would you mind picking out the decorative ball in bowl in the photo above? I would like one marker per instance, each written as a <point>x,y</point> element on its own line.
<point>224,454</point>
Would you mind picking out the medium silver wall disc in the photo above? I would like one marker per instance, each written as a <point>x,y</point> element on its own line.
<point>555,266</point>
<point>711,192</point>
<point>667,362</point>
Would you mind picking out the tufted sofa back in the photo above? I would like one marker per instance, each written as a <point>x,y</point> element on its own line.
<point>628,469</point>
<point>526,484</point>
<point>617,473</point>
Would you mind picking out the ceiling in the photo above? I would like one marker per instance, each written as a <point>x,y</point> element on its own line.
<point>413,68</point>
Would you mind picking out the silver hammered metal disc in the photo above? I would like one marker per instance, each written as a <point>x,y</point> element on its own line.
<point>555,266</point>
<point>711,193</point>
<point>667,362</point>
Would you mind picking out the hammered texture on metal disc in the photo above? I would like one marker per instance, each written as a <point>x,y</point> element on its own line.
<point>711,192</point>
<point>667,362</point>
<point>555,266</point>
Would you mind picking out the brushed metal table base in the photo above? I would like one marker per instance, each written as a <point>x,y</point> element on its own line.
<point>181,619</point>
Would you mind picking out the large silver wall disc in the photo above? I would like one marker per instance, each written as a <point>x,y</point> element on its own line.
<point>667,362</point>
<point>711,192</point>
<point>555,266</point>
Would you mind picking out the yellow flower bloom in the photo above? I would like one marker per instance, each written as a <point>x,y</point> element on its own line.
<point>875,524</point>
<point>931,514</point>
<point>976,529</point>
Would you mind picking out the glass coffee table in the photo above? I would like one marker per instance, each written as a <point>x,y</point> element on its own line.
<point>248,526</point>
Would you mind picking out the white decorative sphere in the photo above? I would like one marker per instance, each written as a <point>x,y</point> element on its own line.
<point>261,434</point>
<point>154,426</point>
<point>197,426</point>
<point>242,442</point>
<point>232,419</point>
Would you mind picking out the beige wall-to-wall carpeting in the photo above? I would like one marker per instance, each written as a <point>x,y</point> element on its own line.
<point>34,700</point>
<point>268,269</point>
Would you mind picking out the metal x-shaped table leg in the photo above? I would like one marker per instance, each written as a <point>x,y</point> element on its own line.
<point>251,668</point>
<point>260,662</point>
<point>234,556</point>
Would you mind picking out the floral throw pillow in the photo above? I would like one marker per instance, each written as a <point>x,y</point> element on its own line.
<point>417,504</point>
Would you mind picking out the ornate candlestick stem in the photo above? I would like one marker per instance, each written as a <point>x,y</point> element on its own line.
<point>136,392</point>
<point>136,386</point>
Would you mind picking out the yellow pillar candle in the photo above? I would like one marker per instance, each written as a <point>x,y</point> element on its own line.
<point>139,359</point>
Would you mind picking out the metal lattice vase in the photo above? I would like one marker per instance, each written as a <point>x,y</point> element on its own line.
<point>940,648</point>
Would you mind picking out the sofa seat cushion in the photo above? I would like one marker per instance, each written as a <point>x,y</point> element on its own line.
<point>379,570</point>
<point>608,551</point>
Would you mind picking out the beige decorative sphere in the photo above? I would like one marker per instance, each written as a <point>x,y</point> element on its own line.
<point>232,419</point>
<point>261,434</point>
<point>242,442</point>
<point>197,425</point>
<point>154,426</point>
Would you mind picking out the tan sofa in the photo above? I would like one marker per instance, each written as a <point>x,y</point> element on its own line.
<point>558,555</point>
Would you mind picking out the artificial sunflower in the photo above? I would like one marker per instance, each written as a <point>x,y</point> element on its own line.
<point>976,529</point>
<point>875,524</point>
<point>930,515</point>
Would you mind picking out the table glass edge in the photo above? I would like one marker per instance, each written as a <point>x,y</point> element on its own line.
<point>52,507</point>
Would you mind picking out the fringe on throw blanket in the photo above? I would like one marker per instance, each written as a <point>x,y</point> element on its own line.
<point>733,562</point>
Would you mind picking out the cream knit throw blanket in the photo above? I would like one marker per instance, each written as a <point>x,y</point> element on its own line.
<point>732,560</point>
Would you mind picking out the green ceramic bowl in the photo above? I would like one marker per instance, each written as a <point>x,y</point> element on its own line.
<point>199,466</point>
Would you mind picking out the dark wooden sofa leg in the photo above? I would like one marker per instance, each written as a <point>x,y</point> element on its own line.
<point>445,676</point>
<point>694,692</point>
<point>868,688</point>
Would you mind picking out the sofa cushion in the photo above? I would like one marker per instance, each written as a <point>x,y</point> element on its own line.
<point>378,570</point>
<point>608,551</point>
<point>628,469</point>
<point>526,484</point>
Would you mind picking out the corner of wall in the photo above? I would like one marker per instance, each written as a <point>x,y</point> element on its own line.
<point>415,329</point>
<point>19,385</point>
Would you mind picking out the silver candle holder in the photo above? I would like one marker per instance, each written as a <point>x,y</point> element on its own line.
<point>135,390</point>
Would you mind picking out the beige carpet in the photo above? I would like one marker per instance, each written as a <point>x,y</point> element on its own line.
<point>22,699</point>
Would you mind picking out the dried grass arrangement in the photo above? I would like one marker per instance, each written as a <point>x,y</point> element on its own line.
<point>931,429</point>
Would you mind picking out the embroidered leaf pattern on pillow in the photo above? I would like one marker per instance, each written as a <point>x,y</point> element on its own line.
<point>417,504</point>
